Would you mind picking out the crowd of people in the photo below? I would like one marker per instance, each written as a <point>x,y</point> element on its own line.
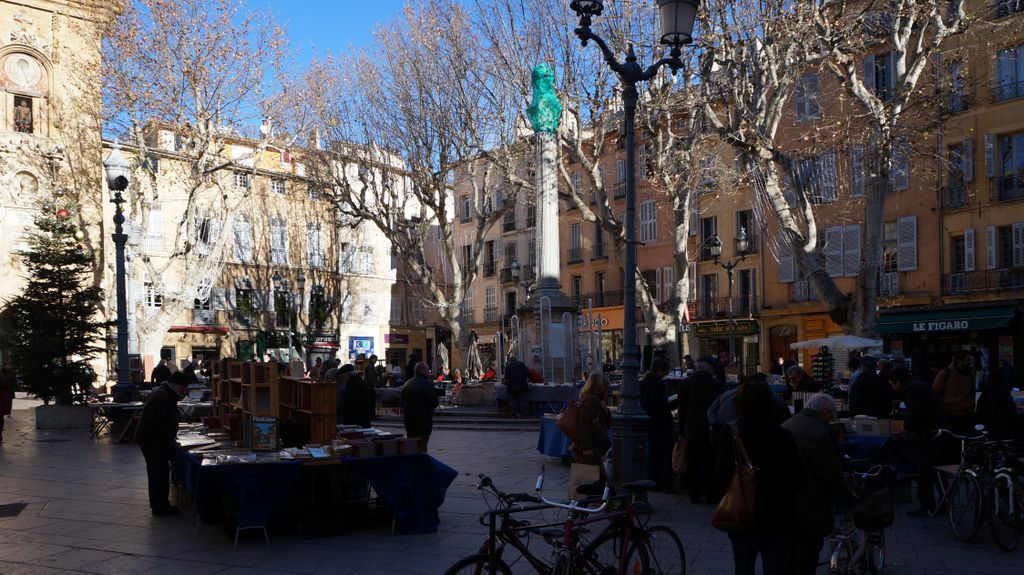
<point>796,451</point>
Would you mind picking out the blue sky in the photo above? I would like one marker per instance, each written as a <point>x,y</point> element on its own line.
<point>315,26</point>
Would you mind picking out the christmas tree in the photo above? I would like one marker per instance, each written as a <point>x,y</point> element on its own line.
<point>55,321</point>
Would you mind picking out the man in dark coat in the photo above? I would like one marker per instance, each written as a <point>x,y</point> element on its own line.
<point>925,416</point>
<point>157,432</point>
<point>696,394</point>
<point>800,381</point>
<point>358,407</point>
<point>418,403</point>
<point>160,373</point>
<point>824,478</point>
<point>870,394</point>
<point>342,376</point>
<point>661,435</point>
<point>517,381</point>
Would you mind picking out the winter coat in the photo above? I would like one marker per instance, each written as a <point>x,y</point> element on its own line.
<point>517,377</point>
<point>956,390</point>
<point>418,403</point>
<point>822,471</point>
<point>654,400</point>
<point>696,394</point>
<point>158,426</point>
<point>357,407</point>
<point>595,421</point>
<point>780,473</point>
<point>869,395</point>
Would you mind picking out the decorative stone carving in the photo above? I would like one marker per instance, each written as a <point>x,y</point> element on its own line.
<point>23,17</point>
<point>28,38</point>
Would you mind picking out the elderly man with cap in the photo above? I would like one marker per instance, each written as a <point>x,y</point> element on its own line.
<point>819,452</point>
<point>696,394</point>
<point>158,430</point>
<point>418,403</point>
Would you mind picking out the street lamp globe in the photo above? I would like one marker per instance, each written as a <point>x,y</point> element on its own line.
<point>587,7</point>
<point>301,279</point>
<point>677,19</point>
<point>715,247</point>
<point>276,278</point>
<point>515,270</point>
<point>742,242</point>
<point>117,168</point>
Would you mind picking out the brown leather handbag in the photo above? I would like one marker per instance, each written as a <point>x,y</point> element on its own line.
<point>569,421</point>
<point>735,512</point>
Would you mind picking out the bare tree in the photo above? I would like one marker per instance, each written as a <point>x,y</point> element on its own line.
<point>187,84</point>
<point>401,125</point>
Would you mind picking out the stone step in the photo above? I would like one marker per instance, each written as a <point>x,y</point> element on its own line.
<point>396,424</point>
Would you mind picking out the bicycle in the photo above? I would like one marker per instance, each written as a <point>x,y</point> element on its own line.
<point>571,553</point>
<point>1005,501</point>
<point>858,544</point>
<point>963,496</point>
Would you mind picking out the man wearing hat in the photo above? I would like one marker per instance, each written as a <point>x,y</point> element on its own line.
<point>158,430</point>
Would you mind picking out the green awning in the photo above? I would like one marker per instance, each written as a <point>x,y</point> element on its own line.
<point>945,320</point>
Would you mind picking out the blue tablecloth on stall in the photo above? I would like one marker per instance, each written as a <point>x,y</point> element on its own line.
<point>552,442</point>
<point>413,486</point>
<point>864,447</point>
<point>257,487</point>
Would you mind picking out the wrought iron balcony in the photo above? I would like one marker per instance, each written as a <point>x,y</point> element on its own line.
<point>718,307</point>
<point>509,223</point>
<point>575,256</point>
<point>620,190</point>
<point>608,298</point>
<point>889,284</point>
<point>204,317</point>
<point>1006,8</point>
<point>801,291</point>
<point>489,268</point>
<point>599,251</point>
<point>963,283</point>
<point>490,313</point>
<point>955,196</point>
<point>1004,91</point>
<point>1009,187</point>
<point>506,275</point>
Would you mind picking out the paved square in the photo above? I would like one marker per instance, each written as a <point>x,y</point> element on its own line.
<point>86,510</point>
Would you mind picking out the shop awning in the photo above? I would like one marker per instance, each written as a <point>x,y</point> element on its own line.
<point>945,320</point>
<point>211,329</point>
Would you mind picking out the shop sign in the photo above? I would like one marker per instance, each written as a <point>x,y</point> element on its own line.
<point>722,328</point>
<point>952,325</point>
<point>396,338</point>
<point>322,339</point>
<point>360,345</point>
<point>686,327</point>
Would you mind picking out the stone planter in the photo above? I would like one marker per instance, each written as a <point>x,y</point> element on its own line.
<point>63,417</point>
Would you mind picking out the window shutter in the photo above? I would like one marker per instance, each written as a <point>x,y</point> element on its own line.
<point>692,273</point>
<point>658,281</point>
<point>906,245</point>
<point>851,250</point>
<point>215,226</point>
<point>694,214</point>
<point>990,155</point>
<point>306,295</point>
<point>869,73</point>
<point>268,302</point>
<point>668,276</point>
<point>785,262</point>
<point>217,299</point>
<point>968,160</point>
<point>969,249</point>
<point>230,299</point>
<point>891,71</point>
<point>1018,244</point>
<point>834,251</point>
<point>899,173</point>
<point>857,171</point>
<point>990,247</point>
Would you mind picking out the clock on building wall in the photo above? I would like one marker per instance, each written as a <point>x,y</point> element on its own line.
<point>22,70</point>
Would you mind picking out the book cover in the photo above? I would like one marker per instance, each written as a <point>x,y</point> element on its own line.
<point>264,433</point>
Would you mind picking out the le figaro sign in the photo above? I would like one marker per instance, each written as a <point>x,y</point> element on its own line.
<point>951,325</point>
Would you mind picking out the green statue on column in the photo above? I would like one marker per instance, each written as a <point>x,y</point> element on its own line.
<point>545,111</point>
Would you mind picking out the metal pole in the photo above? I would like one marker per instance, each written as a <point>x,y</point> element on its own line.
<point>123,388</point>
<point>732,323</point>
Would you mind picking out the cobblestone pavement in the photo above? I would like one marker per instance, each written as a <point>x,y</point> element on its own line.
<point>86,510</point>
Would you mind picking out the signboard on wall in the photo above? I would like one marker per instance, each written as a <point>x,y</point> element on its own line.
<point>396,338</point>
<point>360,345</point>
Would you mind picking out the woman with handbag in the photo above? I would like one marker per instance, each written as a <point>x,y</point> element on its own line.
<point>594,422</point>
<point>759,442</point>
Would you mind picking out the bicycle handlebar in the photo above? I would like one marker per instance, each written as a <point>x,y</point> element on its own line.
<point>572,505</point>
<point>507,498</point>
<point>981,436</point>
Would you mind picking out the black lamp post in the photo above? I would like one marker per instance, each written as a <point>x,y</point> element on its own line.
<point>291,302</point>
<point>629,425</point>
<point>715,247</point>
<point>117,169</point>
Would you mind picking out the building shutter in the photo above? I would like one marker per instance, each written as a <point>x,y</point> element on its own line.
<point>834,251</point>
<point>268,300</point>
<point>694,214</point>
<point>899,173</point>
<point>668,276</point>
<point>906,243</point>
<point>1018,244</point>
<point>990,247</point>
<point>851,250</point>
<point>785,262</point>
<point>990,155</point>
<point>230,299</point>
<point>217,299</point>
<point>658,281</point>
<point>968,160</point>
<point>869,73</point>
<point>969,249</point>
<point>857,171</point>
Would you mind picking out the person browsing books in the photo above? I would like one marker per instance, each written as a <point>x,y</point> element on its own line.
<point>157,432</point>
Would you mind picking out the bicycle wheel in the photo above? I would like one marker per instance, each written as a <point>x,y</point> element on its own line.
<point>874,552</point>
<point>665,553</point>
<point>1005,520</point>
<point>604,554</point>
<point>965,507</point>
<point>479,564</point>
<point>841,557</point>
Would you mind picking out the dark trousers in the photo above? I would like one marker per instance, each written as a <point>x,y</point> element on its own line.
<point>808,550</point>
<point>517,403</point>
<point>659,465</point>
<point>775,547</point>
<point>721,443</point>
<point>932,451</point>
<point>158,470</point>
<point>700,468</point>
